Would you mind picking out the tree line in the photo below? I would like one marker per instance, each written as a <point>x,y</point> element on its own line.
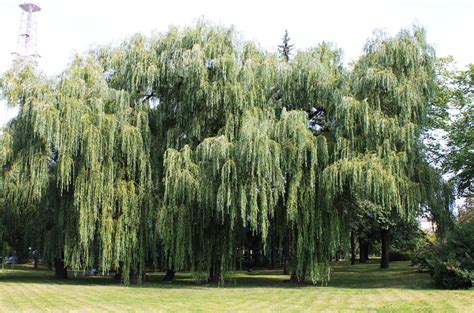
<point>195,151</point>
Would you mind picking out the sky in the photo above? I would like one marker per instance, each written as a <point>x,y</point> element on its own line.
<point>66,27</point>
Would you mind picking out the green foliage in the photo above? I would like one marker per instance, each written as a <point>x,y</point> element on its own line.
<point>192,140</point>
<point>398,255</point>
<point>450,262</point>
<point>451,275</point>
<point>407,236</point>
<point>460,158</point>
<point>88,138</point>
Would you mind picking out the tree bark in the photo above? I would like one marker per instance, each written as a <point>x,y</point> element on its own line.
<point>215,270</point>
<point>169,276</point>
<point>353,253</point>
<point>295,279</point>
<point>286,254</point>
<point>60,271</point>
<point>214,274</point>
<point>118,276</point>
<point>240,256</point>
<point>118,273</point>
<point>273,257</point>
<point>133,278</point>
<point>162,262</point>
<point>255,263</point>
<point>366,250</point>
<point>362,250</point>
<point>385,236</point>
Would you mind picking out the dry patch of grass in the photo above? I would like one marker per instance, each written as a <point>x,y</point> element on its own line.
<point>352,288</point>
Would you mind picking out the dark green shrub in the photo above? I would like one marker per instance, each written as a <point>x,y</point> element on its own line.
<point>451,261</point>
<point>451,276</point>
<point>422,258</point>
<point>398,255</point>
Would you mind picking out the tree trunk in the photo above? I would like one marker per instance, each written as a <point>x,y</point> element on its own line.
<point>162,262</point>
<point>295,279</point>
<point>286,254</point>
<point>215,270</point>
<point>133,278</point>
<point>384,262</point>
<point>362,250</point>
<point>273,257</point>
<point>118,273</point>
<point>214,274</point>
<point>255,258</point>
<point>366,250</point>
<point>239,259</point>
<point>118,276</point>
<point>353,253</point>
<point>169,276</point>
<point>60,271</point>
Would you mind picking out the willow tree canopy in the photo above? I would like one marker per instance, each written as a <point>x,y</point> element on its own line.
<point>191,140</point>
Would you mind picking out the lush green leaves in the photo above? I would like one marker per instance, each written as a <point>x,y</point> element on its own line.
<point>193,140</point>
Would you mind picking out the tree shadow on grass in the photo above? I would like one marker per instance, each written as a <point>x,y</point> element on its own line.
<point>400,275</point>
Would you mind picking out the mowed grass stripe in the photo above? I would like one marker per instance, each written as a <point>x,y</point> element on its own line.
<point>362,287</point>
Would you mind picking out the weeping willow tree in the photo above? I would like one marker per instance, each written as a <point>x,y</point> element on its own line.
<point>93,142</point>
<point>104,160</point>
<point>187,143</point>
<point>252,168</point>
<point>223,188</point>
<point>25,153</point>
<point>379,154</point>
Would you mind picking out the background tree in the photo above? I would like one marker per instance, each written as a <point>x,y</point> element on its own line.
<point>285,48</point>
<point>26,152</point>
<point>460,158</point>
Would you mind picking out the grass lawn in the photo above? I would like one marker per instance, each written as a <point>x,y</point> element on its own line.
<point>352,288</point>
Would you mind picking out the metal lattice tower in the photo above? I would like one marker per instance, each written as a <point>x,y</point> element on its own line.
<point>27,38</point>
